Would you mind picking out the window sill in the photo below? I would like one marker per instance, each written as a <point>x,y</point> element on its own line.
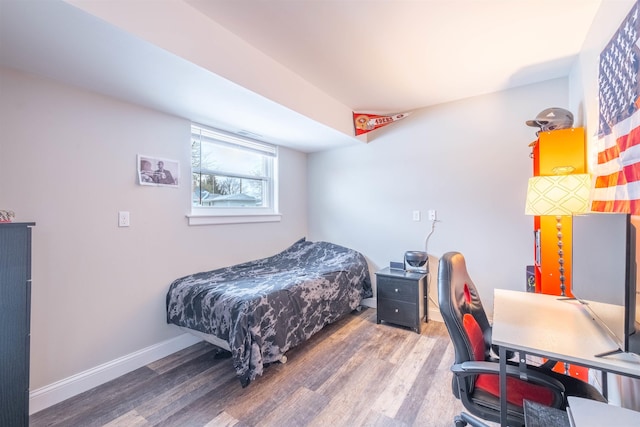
<point>204,219</point>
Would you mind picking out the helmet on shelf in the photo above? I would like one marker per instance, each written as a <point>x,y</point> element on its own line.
<point>552,119</point>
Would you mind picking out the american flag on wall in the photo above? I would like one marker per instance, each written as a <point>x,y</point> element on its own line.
<point>617,171</point>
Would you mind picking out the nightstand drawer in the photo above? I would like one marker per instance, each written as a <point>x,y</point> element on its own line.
<point>399,312</point>
<point>397,289</point>
<point>400,296</point>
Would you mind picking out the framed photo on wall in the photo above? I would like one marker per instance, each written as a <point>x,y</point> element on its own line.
<point>157,171</point>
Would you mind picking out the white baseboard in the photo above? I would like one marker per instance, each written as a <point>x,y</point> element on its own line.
<point>369,302</point>
<point>51,394</point>
<point>434,314</point>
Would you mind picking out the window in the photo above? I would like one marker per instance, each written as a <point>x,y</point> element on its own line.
<point>233,178</point>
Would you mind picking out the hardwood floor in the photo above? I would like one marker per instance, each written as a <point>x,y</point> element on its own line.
<point>352,373</point>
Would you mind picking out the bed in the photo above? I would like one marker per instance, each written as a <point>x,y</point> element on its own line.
<point>260,309</point>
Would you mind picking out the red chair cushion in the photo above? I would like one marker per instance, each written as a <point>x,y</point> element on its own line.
<point>476,338</point>
<point>467,294</point>
<point>517,389</point>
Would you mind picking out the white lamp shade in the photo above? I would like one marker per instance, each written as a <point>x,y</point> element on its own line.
<point>558,194</point>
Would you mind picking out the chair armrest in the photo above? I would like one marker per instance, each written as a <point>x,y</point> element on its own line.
<point>547,366</point>
<point>475,368</point>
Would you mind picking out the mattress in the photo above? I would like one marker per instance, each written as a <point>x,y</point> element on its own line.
<point>263,308</point>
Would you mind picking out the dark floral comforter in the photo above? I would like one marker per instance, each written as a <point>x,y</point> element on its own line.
<point>263,308</point>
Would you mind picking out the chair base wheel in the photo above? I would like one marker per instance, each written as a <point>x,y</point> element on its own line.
<point>463,419</point>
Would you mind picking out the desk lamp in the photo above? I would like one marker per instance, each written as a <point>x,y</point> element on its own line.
<point>558,195</point>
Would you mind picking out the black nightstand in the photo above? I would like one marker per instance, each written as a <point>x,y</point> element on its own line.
<point>401,297</point>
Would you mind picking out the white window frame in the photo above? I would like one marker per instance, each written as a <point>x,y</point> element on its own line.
<point>201,215</point>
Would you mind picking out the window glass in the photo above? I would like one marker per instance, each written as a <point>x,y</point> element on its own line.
<point>232,175</point>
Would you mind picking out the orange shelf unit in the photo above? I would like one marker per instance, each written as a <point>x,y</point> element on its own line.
<point>556,153</point>
<point>575,371</point>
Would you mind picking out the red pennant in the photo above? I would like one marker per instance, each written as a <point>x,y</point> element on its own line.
<point>363,122</point>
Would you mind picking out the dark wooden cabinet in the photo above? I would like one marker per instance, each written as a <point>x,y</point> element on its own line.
<point>400,297</point>
<point>15,315</point>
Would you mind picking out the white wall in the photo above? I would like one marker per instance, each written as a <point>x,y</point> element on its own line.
<point>469,160</point>
<point>204,42</point>
<point>68,162</point>
<point>623,391</point>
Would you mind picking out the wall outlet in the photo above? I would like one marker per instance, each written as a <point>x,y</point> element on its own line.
<point>416,215</point>
<point>123,219</point>
<point>432,215</point>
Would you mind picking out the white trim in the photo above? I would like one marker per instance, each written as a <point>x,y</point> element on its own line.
<point>369,302</point>
<point>232,219</point>
<point>434,314</point>
<point>58,391</point>
<point>217,136</point>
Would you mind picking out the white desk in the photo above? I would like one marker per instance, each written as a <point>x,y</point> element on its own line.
<point>589,413</point>
<point>547,326</point>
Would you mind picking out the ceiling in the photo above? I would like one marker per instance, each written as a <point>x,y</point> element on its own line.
<point>384,56</point>
<point>395,56</point>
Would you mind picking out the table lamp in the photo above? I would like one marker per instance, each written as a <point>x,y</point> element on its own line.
<point>558,195</point>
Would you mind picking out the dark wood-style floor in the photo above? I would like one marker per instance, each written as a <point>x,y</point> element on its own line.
<point>352,373</point>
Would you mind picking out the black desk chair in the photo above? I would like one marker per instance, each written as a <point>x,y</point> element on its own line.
<point>476,369</point>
